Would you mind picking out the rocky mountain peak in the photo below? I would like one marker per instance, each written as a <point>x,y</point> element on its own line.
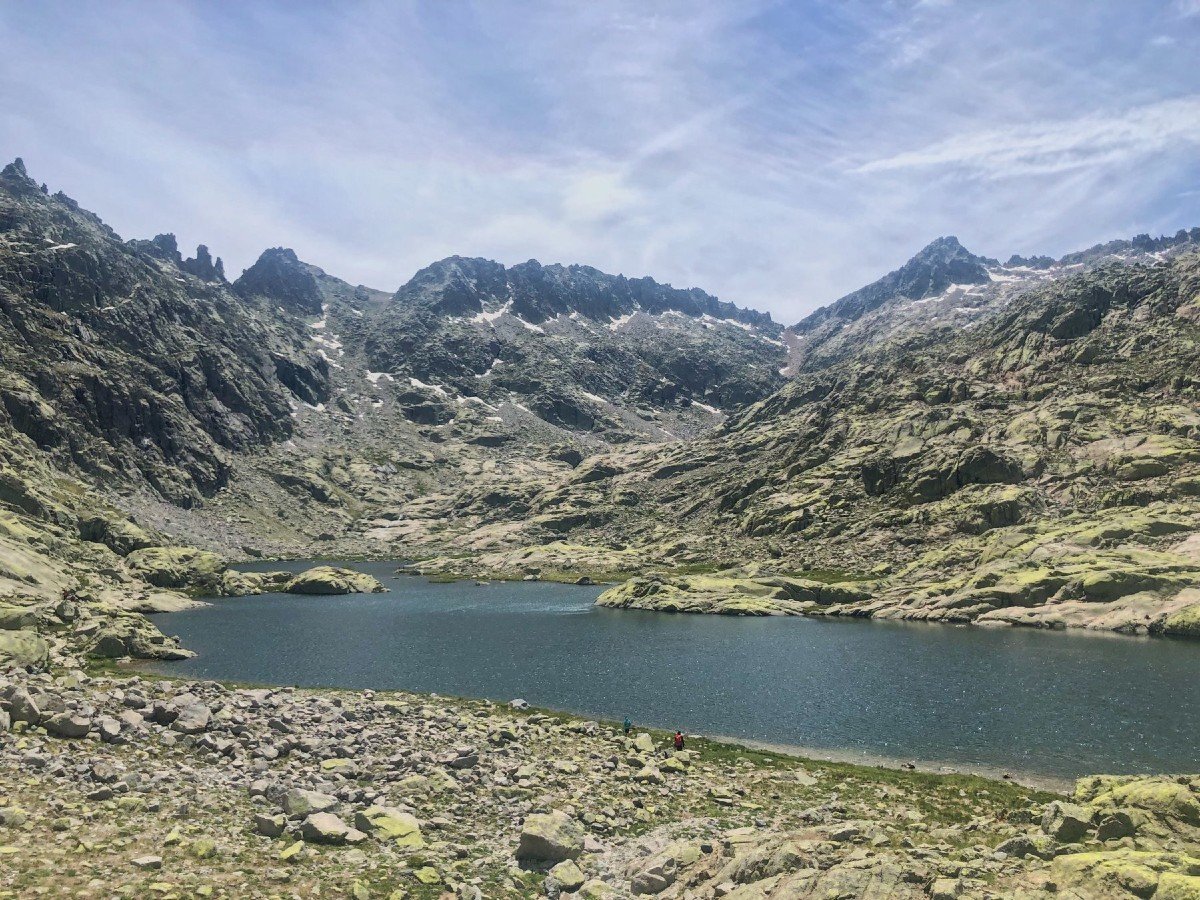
<point>203,266</point>
<point>459,286</point>
<point>15,169</point>
<point>161,246</point>
<point>279,276</point>
<point>16,180</point>
<point>934,268</point>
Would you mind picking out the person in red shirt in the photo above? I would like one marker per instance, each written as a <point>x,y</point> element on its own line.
<point>678,740</point>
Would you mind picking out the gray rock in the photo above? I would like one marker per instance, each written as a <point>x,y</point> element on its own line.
<point>109,729</point>
<point>1116,826</point>
<point>298,803</point>
<point>148,862</point>
<point>1067,822</point>
<point>15,618</point>
<point>324,828</point>
<point>132,720</point>
<point>23,708</point>
<point>656,876</point>
<point>67,610</point>
<point>271,826</point>
<point>69,725</point>
<point>1024,845</point>
<point>192,719</point>
<point>550,838</point>
<point>565,877</point>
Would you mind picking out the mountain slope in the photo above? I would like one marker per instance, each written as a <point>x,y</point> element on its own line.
<point>961,440</point>
<point>121,364</point>
<point>291,407</point>
<point>946,288</point>
<point>1042,467</point>
<point>591,355</point>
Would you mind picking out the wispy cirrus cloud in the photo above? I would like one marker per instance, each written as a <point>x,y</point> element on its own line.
<point>777,154</point>
<point>1050,147</point>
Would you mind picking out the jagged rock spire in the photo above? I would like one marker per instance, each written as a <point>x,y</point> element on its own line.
<point>203,266</point>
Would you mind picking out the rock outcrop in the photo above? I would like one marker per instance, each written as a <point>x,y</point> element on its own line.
<point>333,580</point>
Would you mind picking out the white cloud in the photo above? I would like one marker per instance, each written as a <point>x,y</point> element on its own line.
<point>1057,146</point>
<point>777,154</point>
<point>596,196</point>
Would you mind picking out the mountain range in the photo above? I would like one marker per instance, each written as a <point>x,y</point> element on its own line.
<point>961,440</point>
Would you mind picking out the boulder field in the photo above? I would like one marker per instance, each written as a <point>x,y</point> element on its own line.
<point>115,785</point>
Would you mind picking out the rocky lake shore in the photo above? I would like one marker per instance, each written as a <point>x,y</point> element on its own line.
<point>115,782</point>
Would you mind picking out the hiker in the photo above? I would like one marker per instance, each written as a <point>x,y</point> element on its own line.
<point>628,726</point>
<point>678,741</point>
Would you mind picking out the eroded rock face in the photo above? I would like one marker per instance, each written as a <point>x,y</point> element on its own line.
<point>159,370</point>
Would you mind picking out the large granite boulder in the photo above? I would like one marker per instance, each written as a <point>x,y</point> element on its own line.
<point>334,580</point>
<point>550,838</point>
<point>23,649</point>
<point>178,567</point>
<point>135,636</point>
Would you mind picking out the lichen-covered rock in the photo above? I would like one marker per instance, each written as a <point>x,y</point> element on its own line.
<point>550,838</point>
<point>135,636</point>
<point>243,584</point>
<point>596,889</point>
<point>566,877</point>
<point>1185,623</point>
<point>1178,886</point>
<point>388,823</point>
<point>298,803</point>
<point>334,580</point>
<point>1117,873</point>
<point>1170,801</point>
<point>14,618</point>
<point>1067,822</point>
<point>117,533</point>
<point>720,596</point>
<point>23,649</point>
<point>178,567</point>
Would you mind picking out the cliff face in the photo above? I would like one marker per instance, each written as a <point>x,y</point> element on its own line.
<point>121,363</point>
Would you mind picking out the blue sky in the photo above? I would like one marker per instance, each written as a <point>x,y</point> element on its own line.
<point>776,154</point>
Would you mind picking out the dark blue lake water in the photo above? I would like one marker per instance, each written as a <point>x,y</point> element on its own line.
<point>1051,704</point>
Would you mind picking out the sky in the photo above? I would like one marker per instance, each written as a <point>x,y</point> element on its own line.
<point>776,154</point>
